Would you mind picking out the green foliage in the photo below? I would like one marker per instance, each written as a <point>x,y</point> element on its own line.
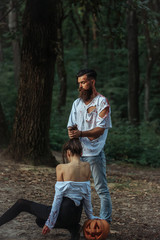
<point>125,142</point>
<point>122,142</point>
<point>58,129</point>
<point>8,91</point>
<point>138,145</point>
<point>58,134</point>
<point>109,57</point>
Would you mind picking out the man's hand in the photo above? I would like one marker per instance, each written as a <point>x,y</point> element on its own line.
<point>92,134</point>
<point>45,230</point>
<point>73,132</point>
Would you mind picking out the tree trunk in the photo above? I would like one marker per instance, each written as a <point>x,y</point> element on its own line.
<point>133,67</point>
<point>147,90</point>
<point>60,63</point>
<point>94,30</point>
<point>1,49</point>
<point>150,62</point>
<point>12,23</point>
<point>1,52</point>
<point>30,140</point>
<point>152,56</point>
<point>4,136</point>
<point>85,26</point>
<point>84,33</point>
<point>62,76</point>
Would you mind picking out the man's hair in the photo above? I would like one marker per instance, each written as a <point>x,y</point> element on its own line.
<point>74,145</point>
<point>91,74</point>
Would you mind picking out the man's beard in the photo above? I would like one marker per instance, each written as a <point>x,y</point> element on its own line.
<point>85,95</point>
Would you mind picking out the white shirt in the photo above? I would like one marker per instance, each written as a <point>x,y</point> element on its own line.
<point>75,191</point>
<point>86,121</point>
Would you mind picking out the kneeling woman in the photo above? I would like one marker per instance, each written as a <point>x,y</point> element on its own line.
<point>72,193</point>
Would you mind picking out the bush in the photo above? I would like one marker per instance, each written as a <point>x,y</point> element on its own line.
<point>134,144</point>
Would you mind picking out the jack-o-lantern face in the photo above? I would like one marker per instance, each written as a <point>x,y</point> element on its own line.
<point>96,229</point>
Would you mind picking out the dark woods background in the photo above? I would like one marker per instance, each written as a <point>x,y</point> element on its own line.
<point>43,44</point>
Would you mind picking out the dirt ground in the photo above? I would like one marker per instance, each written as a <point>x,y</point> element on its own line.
<point>135,193</point>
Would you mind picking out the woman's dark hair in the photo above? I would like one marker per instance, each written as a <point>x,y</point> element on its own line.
<point>91,74</point>
<point>74,145</point>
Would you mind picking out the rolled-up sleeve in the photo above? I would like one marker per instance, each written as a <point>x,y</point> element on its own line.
<point>104,122</point>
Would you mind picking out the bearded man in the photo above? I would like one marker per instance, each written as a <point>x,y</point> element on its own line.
<point>89,120</point>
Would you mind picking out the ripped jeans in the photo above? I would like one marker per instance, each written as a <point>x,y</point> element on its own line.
<point>98,169</point>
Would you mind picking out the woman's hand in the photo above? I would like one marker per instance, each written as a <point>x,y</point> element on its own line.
<point>45,230</point>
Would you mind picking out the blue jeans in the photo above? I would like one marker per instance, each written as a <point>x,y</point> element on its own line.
<point>98,169</point>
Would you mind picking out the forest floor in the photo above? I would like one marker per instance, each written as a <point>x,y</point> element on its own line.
<point>135,193</point>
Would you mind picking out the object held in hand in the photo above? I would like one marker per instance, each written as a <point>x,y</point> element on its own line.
<point>74,127</point>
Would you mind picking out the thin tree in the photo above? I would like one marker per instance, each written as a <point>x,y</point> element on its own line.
<point>30,138</point>
<point>150,63</point>
<point>60,61</point>
<point>1,51</point>
<point>151,32</point>
<point>4,134</point>
<point>133,65</point>
<point>2,27</point>
<point>82,27</point>
<point>80,14</point>
<point>13,27</point>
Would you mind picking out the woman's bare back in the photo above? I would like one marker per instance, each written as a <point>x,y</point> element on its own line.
<point>73,171</point>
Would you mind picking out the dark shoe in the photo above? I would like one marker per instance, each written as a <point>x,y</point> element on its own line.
<point>75,236</point>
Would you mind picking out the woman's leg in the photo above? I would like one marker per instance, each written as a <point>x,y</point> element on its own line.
<point>69,217</point>
<point>39,210</point>
<point>69,214</point>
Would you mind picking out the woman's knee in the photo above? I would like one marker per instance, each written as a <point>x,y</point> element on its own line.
<point>20,201</point>
<point>23,204</point>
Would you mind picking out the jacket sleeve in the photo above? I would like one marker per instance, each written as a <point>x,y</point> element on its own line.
<point>55,209</point>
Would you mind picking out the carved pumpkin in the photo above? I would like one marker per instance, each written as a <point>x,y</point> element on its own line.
<point>96,229</point>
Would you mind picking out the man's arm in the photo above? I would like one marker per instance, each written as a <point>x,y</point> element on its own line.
<point>91,134</point>
<point>72,116</point>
